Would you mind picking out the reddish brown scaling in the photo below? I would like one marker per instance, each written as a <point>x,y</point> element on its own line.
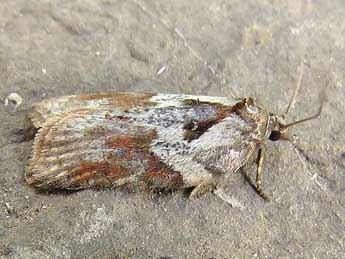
<point>160,174</point>
<point>132,143</point>
<point>120,100</point>
<point>157,173</point>
<point>91,170</point>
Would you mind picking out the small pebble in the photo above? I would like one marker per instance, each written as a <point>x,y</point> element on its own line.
<point>13,99</point>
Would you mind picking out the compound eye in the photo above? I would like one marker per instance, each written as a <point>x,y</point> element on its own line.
<point>275,135</point>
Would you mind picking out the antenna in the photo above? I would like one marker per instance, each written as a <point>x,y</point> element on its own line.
<point>322,101</point>
<point>298,86</point>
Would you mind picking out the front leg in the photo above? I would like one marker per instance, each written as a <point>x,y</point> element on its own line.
<point>201,190</point>
<point>259,161</point>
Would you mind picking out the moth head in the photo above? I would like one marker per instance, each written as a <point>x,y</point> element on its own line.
<point>275,128</point>
<point>278,129</point>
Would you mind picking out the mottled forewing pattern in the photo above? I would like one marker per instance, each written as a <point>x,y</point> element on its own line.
<point>136,141</point>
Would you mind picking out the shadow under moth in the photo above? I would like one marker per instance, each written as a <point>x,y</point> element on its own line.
<point>138,141</point>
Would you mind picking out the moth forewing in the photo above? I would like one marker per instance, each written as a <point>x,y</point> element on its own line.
<point>137,141</point>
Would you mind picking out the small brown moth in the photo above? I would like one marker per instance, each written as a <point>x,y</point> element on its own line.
<point>149,141</point>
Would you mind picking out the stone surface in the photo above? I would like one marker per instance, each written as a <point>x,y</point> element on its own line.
<point>241,48</point>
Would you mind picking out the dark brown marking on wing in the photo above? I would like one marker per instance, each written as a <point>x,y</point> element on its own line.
<point>198,102</point>
<point>194,129</point>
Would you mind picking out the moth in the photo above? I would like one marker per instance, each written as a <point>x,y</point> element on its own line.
<point>142,141</point>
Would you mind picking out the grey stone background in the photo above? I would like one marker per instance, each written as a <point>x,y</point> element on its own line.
<point>241,48</point>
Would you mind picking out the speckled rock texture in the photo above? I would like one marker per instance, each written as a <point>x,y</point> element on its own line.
<point>223,48</point>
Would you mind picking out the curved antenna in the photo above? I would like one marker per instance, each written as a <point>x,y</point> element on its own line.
<point>298,86</point>
<point>322,101</point>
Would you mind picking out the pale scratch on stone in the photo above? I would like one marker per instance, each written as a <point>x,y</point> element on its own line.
<point>161,70</point>
<point>177,32</point>
<point>314,177</point>
<point>228,199</point>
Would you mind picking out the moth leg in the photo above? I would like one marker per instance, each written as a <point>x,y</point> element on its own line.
<point>259,163</point>
<point>201,190</point>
